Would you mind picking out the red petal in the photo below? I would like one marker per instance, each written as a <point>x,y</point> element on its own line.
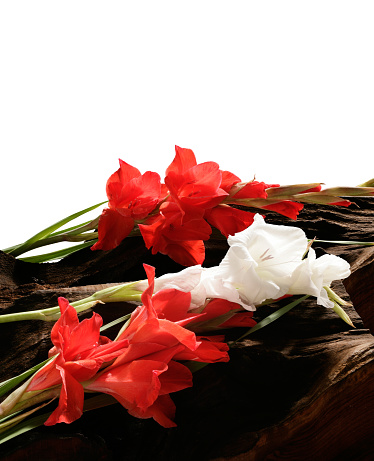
<point>229,220</point>
<point>253,189</point>
<point>139,196</point>
<point>199,187</point>
<point>172,304</point>
<point>285,208</point>
<point>210,350</point>
<point>341,203</point>
<point>175,378</point>
<point>84,337</point>
<point>188,253</point>
<point>228,180</point>
<point>110,350</point>
<point>164,332</point>
<point>194,229</point>
<point>240,319</point>
<point>122,176</point>
<point>64,325</point>
<point>127,172</point>
<point>70,406</point>
<point>184,244</point>
<point>82,370</point>
<point>162,411</point>
<point>113,228</point>
<point>184,160</point>
<point>133,384</point>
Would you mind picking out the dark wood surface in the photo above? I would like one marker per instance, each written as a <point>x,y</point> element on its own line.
<point>300,389</point>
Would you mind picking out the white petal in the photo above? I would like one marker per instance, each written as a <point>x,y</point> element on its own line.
<point>185,280</point>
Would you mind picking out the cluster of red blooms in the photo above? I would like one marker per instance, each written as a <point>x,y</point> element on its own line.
<point>143,365</point>
<point>176,217</point>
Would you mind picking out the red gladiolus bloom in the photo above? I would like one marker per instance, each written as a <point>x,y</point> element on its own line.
<point>132,196</point>
<point>172,234</point>
<point>142,378</point>
<point>81,351</point>
<point>194,187</point>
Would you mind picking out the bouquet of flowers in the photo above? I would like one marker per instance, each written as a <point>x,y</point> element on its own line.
<point>179,323</point>
<point>176,217</point>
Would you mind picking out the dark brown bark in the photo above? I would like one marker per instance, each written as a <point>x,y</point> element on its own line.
<point>299,389</point>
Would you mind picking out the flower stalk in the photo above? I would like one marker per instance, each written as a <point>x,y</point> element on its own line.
<point>125,292</point>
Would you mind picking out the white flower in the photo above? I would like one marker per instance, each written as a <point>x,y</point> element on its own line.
<point>313,274</point>
<point>265,261</point>
<point>260,262</point>
<point>214,283</point>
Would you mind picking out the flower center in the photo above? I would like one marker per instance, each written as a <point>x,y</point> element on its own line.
<point>265,257</point>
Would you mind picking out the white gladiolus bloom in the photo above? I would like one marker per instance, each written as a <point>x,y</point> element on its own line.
<point>261,260</point>
<point>265,261</point>
<point>313,274</point>
<point>214,283</point>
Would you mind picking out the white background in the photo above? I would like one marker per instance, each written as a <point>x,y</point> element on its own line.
<point>283,90</point>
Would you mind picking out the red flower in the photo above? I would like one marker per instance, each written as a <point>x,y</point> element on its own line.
<point>171,234</point>
<point>81,351</point>
<point>142,378</point>
<point>194,187</point>
<point>181,227</point>
<point>132,196</point>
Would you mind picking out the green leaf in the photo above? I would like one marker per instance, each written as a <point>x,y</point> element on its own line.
<point>57,254</point>
<point>11,383</point>
<point>49,230</point>
<point>345,242</point>
<point>272,317</point>
<point>23,427</point>
<point>115,322</point>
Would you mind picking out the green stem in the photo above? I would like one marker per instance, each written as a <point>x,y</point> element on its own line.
<point>50,232</point>
<point>119,293</point>
<point>48,315</point>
